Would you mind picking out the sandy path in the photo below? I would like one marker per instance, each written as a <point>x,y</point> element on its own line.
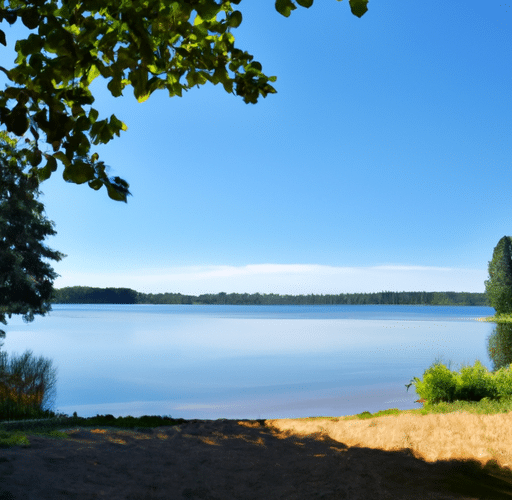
<point>229,459</point>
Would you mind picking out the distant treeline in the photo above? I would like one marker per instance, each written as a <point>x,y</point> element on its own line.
<point>88,295</point>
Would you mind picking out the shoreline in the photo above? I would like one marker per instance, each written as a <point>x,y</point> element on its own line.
<point>449,456</point>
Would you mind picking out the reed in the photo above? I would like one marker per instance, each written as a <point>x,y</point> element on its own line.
<point>26,386</point>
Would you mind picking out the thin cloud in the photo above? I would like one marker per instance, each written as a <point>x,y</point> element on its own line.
<point>294,279</point>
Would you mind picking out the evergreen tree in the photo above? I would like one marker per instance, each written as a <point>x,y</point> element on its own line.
<point>26,281</point>
<point>499,284</point>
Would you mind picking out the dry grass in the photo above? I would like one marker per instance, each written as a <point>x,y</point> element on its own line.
<point>430,437</point>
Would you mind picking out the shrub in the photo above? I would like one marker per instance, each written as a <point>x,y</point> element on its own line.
<point>503,381</point>
<point>472,383</point>
<point>27,386</point>
<point>438,384</point>
<point>475,383</point>
<point>364,414</point>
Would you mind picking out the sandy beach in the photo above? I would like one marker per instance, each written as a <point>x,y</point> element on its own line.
<point>387,457</point>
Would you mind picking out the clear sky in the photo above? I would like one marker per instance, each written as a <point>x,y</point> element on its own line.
<point>382,163</point>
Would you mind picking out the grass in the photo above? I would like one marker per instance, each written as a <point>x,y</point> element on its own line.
<point>15,433</point>
<point>497,318</point>
<point>461,430</point>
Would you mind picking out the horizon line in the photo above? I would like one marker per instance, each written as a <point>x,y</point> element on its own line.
<point>269,293</point>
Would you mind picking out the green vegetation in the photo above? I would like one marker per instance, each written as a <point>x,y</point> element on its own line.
<point>473,390</point>
<point>88,295</point>
<point>147,45</point>
<point>482,407</point>
<point>27,387</point>
<point>499,285</point>
<point>471,383</point>
<point>498,318</point>
<point>25,278</point>
<point>15,433</point>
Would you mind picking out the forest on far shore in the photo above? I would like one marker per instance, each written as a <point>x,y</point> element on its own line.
<point>88,295</point>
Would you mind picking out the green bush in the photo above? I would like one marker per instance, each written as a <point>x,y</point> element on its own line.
<point>475,383</point>
<point>503,381</point>
<point>472,383</point>
<point>438,384</point>
<point>364,414</point>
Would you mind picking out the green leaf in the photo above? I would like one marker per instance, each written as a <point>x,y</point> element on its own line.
<point>92,74</point>
<point>305,3</point>
<point>12,92</point>
<point>51,163</point>
<point>59,155</point>
<point>93,115</point>
<point>10,16</point>
<point>114,194</point>
<point>139,81</point>
<point>95,184</point>
<point>235,19</point>
<point>195,78</point>
<point>101,132</point>
<point>51,166</point>
<point>117,125</point>
<point>358,7</point>
<point>78,173</point>
<point>208,9</point>
<point>30,18</point>
<point>285,7</point>
<point>2,38</point>
<point>115,86</point>
<point>17,120</point>
<point>35,157</point>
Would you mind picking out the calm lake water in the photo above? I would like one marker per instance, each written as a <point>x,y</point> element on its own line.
<point>212,362</point>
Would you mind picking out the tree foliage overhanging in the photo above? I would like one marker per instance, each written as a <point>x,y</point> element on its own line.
<point>90,295</point>
<point>145,44</point>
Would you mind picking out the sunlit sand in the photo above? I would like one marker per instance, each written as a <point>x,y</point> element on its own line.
<point>430,437</point>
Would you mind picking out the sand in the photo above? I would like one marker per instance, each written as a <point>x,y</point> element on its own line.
<point>232,459</point>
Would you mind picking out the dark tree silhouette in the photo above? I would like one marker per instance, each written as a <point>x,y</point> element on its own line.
<point>26,280</point>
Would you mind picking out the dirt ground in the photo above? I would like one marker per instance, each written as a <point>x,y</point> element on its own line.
<point>231,459</point>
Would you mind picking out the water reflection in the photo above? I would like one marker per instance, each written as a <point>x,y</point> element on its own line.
<point>499,345</point>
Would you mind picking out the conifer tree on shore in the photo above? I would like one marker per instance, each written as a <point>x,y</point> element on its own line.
<point>26,280</point>
<point>499,284</point>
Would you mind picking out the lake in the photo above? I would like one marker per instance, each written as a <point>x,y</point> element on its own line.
<point>209,362</point>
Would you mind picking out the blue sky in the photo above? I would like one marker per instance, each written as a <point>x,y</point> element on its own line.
<point>382,163</point>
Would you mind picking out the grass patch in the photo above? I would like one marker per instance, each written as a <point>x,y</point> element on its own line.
<point>497,318</point>
<point>15,433</point>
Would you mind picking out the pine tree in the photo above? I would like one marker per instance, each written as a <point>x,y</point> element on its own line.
<point>499,284</point>
<point>26,281</point>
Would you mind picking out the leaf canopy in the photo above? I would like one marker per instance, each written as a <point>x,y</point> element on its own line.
<point>147,45</point>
